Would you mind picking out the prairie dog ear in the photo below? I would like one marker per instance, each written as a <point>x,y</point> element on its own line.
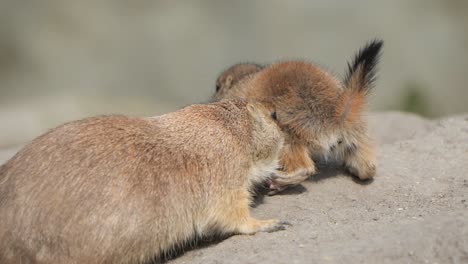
<point>252,109</point>
<point>256,113</point>
<point>228,80</point>
<point>261,113</point>
<point>361,72</point>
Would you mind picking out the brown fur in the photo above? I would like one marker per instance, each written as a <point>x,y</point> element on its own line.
<point>118,189</point>
<point>321,115</point>
<point>232,76</point>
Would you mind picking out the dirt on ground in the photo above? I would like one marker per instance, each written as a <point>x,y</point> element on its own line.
<point>414,211</point>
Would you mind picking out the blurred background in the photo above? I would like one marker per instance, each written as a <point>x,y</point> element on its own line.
<point>64,60</point>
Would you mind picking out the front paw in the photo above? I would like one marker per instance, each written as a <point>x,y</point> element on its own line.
<point>280,181</point>
<point>273,225</point>
<point>252,226</point>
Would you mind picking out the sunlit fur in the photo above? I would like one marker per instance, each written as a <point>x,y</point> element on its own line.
<point>321,115</point>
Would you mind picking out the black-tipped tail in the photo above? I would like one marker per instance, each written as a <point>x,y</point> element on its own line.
<point>361,73</point>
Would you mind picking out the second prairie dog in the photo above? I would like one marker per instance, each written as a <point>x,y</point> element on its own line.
<point>321,115</point>
<point>117,189</point>
<point>232,76</point>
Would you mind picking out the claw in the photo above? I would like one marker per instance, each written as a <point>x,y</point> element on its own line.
<point>274,189</point>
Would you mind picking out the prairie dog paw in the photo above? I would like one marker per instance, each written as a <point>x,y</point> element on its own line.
<point>280,181</point>
<point>364,172</point>
<point>273,225</point>
<point>253,226</point>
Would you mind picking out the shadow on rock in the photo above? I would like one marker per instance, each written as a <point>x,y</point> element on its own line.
<point>194,244</point>
<point>361,182</point>
<point>326,171</point>
<point>294,190</point>
<point>261,191</point>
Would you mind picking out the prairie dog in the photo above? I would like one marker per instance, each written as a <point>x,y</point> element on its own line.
<point>117,189</point>
<point>232,76</point>
<point>321,115</point>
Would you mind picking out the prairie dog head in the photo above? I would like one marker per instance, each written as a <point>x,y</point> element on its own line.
<point>266,135</point>
<point>233,75</point>
<point>253,127</point>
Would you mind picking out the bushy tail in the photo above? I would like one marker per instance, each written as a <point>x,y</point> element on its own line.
<point>359,81</point>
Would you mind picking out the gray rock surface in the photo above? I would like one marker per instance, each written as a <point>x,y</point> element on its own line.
<point>415,211</point>
<point>391,126</point>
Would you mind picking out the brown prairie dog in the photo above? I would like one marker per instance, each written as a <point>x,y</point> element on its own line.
<point>118,189</point>
<point>321,115</point>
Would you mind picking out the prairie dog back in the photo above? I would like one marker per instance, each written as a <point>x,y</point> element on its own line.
<point>118,189</point>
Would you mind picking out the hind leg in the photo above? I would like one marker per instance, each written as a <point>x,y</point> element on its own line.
<point>233,216</point>
<point>360,160</point>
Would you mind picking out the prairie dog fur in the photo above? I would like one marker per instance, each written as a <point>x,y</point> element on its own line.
<point>117,189</point>
<point>321,115</point>
<point>232,76</point>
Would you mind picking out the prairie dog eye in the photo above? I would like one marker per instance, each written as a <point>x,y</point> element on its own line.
<point>340,141</point>
<point>273,115</point>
